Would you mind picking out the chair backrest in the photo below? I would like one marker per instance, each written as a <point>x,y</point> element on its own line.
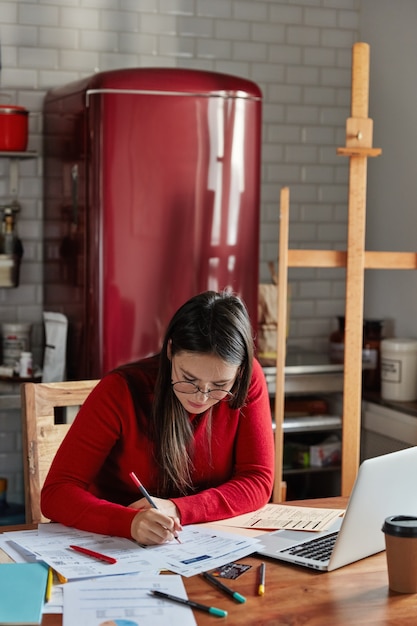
<point>45,422</point>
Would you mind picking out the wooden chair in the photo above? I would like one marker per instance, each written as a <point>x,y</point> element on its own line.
<point>47,412</point>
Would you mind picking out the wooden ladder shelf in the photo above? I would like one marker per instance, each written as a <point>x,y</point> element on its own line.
<point>355,259</point>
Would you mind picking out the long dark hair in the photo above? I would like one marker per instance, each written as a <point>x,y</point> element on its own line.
<point>209,323</point>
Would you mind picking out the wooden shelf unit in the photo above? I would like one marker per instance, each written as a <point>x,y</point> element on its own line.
<point>355,259</point>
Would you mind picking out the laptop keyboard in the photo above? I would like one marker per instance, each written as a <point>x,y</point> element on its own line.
<point>319,549</point>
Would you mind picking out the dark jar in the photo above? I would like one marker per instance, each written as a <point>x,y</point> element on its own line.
<point>337,342</point>
<point>371,355</point>
<point>3,494</point>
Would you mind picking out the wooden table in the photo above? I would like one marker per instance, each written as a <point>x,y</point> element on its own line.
<point>295,596</point>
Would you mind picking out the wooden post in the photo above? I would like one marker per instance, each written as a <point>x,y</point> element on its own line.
<point>358,148</point>
<point>355,266</point>
<point>282,318</point>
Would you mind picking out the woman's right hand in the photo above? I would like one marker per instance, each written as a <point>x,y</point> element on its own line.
<point>150,527</point>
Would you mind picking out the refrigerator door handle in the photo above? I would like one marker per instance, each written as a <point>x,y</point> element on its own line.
<point>74,194</point>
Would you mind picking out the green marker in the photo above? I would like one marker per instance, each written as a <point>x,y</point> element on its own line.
<point>217,583</point>
<point>194,605</point>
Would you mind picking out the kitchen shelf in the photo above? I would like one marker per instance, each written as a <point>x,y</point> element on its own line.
<point>13,154</point>
<point>311,423</point>
<point>306,372</point>
<point>308,377</point>
<point>311,469</point>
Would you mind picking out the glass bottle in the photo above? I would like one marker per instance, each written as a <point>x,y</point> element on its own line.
<point>337,342</point>
<point>11,243</point>
<point>371,358</point>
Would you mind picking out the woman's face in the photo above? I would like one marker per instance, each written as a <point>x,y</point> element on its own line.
<point>207,372</point>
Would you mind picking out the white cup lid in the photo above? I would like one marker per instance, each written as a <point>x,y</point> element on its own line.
<point>401,344</point>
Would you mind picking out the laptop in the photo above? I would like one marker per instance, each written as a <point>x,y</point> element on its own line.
<point>385,485</point>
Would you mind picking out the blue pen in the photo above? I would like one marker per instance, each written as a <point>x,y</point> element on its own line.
<point>237,596</point>
<point>194,605</point>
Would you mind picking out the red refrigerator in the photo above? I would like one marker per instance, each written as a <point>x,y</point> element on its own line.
<point>151,195</point>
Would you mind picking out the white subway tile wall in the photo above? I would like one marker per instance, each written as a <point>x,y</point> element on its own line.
<point>298,51</point>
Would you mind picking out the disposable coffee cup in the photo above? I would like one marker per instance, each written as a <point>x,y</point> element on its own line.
<point>401,552</point>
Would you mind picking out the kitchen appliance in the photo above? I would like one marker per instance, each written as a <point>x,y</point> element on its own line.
<point>152,180</point>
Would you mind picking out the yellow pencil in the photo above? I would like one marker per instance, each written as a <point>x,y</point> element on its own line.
<point>261,587</point>
<point>61,578</point>
<point>49,582</point>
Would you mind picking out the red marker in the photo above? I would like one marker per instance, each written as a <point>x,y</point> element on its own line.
<point>94,555</point>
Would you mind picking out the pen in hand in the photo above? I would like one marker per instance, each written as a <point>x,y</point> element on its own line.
<point>146,495</point>
<point>261,587</point>
<point>142,489</point>
<point>217,583</point>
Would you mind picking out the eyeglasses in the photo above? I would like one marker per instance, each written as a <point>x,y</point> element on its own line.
<point>182,386</point>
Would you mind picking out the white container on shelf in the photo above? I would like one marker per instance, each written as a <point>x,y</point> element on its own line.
<point>399,369</point>
<point>25,365</point>
<point>16,339</point>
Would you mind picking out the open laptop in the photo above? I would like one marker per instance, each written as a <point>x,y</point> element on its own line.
<point>385,485</point>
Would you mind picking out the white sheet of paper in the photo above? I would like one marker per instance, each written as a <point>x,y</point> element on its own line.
<point>202,549</point>
<point>14,551</point>
<point>125,601</point>
<point>56,603</point>
<point>275,516</point>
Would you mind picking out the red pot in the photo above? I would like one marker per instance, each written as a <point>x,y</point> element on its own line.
<point>13,128</point>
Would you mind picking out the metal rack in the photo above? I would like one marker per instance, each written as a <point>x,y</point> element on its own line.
<point>307,374</point>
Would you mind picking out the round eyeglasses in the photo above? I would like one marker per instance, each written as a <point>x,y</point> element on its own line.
<point>182,386</point>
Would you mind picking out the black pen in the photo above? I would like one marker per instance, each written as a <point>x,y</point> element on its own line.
<point>194,605</point>
<point>217,583</point>
<point>146,495</point>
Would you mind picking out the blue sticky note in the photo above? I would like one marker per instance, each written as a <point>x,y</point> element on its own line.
<point>22,592</point>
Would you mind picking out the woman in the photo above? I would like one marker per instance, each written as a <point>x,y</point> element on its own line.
<point>192,423</point>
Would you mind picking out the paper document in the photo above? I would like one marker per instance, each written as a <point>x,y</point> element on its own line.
<point>51,545</point>
<point>200,549</point>
<point>55,604</point>
<point>16,553</point>
<point>276,516</point>
<point>125,600</point>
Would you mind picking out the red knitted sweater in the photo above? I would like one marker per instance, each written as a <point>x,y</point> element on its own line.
<point>88,485</point>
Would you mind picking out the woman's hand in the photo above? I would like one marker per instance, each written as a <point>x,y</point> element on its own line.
<point>155,526</point>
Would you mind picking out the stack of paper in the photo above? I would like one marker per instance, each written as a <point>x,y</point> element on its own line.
<point>201,549</point>
<point>133,572</point>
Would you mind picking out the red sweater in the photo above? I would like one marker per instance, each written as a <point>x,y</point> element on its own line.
<point>88,485</point>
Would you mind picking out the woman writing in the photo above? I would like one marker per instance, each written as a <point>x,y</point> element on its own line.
<point>193,423</point>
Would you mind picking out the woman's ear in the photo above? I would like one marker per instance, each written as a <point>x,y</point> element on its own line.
<point>169,349</point>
